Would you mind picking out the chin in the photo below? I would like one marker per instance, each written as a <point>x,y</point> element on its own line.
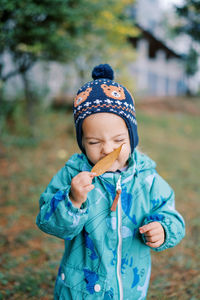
<point>114,168</point>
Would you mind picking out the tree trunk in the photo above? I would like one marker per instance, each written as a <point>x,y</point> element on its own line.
<point>29,97</point>
<point>1,108</point>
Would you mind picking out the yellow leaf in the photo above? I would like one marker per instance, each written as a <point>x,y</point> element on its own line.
<point>106,162</point>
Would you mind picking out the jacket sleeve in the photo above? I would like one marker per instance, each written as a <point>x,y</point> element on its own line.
<point>57,214</point>
<point>163,210</point>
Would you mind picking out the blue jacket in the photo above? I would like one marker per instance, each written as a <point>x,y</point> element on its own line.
<point>105,255</point>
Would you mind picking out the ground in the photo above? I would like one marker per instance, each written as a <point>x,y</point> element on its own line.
<point>29,259</point>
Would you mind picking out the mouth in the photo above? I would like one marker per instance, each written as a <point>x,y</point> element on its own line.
<point>107,162</point>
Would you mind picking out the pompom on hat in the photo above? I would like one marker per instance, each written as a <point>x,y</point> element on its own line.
<point>103,94</point>
<point>103,71</point>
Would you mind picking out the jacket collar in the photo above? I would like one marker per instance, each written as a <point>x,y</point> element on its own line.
<point>138,162</point>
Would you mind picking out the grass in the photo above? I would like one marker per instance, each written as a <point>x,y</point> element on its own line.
<point>29,259</point>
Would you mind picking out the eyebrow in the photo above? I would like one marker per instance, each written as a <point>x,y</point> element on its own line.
<point>114,137</point>
<point>120,134</point>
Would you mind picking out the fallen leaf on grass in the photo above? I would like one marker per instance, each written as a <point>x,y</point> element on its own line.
<point>106,162</point>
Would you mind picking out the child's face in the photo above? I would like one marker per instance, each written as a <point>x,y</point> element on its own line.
<point>102,133</point>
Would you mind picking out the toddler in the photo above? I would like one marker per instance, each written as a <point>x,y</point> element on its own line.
<point>107,252</point>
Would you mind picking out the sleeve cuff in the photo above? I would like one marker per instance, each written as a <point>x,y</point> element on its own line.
<point>80,211</point>
<point>163,221</point>
<point>172,235</point>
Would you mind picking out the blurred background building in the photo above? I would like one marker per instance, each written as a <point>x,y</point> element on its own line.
<point>158,69</point>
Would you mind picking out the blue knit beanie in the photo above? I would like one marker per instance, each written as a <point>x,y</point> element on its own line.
<point>104,95</point>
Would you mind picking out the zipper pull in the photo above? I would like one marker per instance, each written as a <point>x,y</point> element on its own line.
<point>118,192</point>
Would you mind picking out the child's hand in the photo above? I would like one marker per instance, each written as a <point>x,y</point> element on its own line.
<point>154,234</point>
<point>81,184</point>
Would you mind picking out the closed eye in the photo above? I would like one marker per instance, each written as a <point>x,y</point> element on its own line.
<point>93,143</point>
<point>119,140</point>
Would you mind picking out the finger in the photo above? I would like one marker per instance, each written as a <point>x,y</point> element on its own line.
<point>82,180</point>
<point>92,174</point>
<point>148,227</point>
<point>84,190</point>
<point>155,245</point>
<point>152,232</point>
<point>81,194</point>
<point>86,173</point>
<point>88,188</point>
<point>153,239</point>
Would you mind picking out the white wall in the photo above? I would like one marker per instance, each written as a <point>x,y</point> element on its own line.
<point>157,76</point>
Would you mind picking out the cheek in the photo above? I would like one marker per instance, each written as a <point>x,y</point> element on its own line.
<point>125,154</point>
<point>92,155</point>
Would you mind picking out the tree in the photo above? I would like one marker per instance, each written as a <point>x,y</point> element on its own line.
<point>57,30</point>
<point>189,23</point>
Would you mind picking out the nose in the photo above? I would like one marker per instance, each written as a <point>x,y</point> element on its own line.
<point>107,148</point>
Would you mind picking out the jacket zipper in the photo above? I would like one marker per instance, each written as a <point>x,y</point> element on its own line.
<point>119,247</point>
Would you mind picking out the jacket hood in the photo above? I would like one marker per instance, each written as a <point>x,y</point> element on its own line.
<point>143,162</point>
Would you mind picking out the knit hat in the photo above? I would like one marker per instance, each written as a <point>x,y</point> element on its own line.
<point>104,95</point>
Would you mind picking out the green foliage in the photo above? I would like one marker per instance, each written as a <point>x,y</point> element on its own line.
<point>59,29</point>
<point>189,23</point>
<point>189,13</point>
<point>191,65</point>
<point>14,126</point>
